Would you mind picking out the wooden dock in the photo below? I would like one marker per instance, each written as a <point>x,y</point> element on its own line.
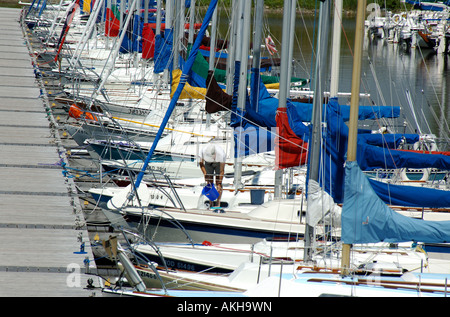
<point>42,228</point>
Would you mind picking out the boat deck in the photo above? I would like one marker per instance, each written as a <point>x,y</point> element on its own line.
<point>41,224</point>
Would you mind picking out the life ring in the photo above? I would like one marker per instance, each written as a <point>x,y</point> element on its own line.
<point>425,175</point>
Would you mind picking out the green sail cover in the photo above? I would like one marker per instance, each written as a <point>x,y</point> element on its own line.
<point>201,67</point>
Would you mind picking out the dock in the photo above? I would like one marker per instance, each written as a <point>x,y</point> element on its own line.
<point>45,249</point>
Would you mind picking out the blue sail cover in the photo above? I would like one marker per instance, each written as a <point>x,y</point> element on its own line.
<point>131,42</point>
<point>261,112</point>
<point>373,152</point>
<point>372,157</point>
<point>429,5</point>
<point>267,107</point>
<point>411,196</point>
<point>367,219</point>
<point>254,130</point>
<point>251,139</point>
<point>163,51</point>
<point>392,141</point>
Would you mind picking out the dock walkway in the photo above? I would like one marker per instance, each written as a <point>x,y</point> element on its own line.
<point>42,228</point>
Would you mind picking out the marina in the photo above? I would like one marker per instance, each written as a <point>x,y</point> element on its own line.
<point>102,191</point>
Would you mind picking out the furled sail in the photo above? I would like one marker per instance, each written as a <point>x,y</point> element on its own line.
<point>163,51</point>
<point>370,157</point>
<point>148,42</point>
<point>290,150</point>
<point>367,219</point>
<point>188,92</point>
<point>411,196</point>
<point>131,41</point>
<point>216,98</point>
<point>112,21</point>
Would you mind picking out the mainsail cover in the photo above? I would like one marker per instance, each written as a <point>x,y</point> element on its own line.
<point>148,42</point>
<point>163,51</point>
<point>367,219</point>
<point>131,41</point>
<point>302,112</point>
<point>188,92</point>
<point>216,99</point>
<point>429,5</point>
<point>290,150</point>
<point>370,157</point>
<point>412,196</point>
<point>112,21</point>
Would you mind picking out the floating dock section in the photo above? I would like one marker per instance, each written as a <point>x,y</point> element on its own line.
<point>45,244</point>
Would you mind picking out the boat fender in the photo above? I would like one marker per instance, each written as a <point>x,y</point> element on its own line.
<point>206,243</point>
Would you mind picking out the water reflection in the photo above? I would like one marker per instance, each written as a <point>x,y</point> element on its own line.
<point>388,73</point>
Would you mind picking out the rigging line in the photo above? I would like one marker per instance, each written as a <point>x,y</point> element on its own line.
<point>308,37</point>
<point>350,49</point>
<point>433,113</point>
<point>313,58</point>
<point>433,87</point>
<point>379,91</point>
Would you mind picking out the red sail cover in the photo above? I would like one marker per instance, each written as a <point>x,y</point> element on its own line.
<point>290,150</point>
<point>112,23</point>
<point>148,42</point>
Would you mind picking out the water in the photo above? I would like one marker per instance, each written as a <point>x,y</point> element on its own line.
<point>388,73</point>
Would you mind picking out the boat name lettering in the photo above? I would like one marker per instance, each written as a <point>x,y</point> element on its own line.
<point>147,274</point>
<point>180,265</point>
<point>157,168</point>
<point>139,112</point>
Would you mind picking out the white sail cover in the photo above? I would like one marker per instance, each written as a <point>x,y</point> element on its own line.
<point>320,204</point>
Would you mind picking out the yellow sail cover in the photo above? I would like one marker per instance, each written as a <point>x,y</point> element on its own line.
<point>188,92</point>
<point>87,5</point>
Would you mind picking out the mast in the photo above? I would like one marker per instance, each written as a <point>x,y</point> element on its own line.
<point>232,47</point>
<point>257,34</point>
<point>242,52</point>
<point>86,34</point>
<point>115,53</point>
<point>212,55</point>
<point>108,7</point>
<point>52,30</point>
<point>319,87</point>
<point>191,23</point>
<point>122,12</point>
<point>354,105</point>
<point>176,33</point>
<point>146,11</point>
<point>336,50</point>
<point>285,70</point>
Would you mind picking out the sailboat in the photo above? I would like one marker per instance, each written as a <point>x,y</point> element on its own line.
<point>292,214</point>
<point>255,224</point>
<point>360,202</point>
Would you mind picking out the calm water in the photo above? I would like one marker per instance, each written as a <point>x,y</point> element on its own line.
<point>388,73</point>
